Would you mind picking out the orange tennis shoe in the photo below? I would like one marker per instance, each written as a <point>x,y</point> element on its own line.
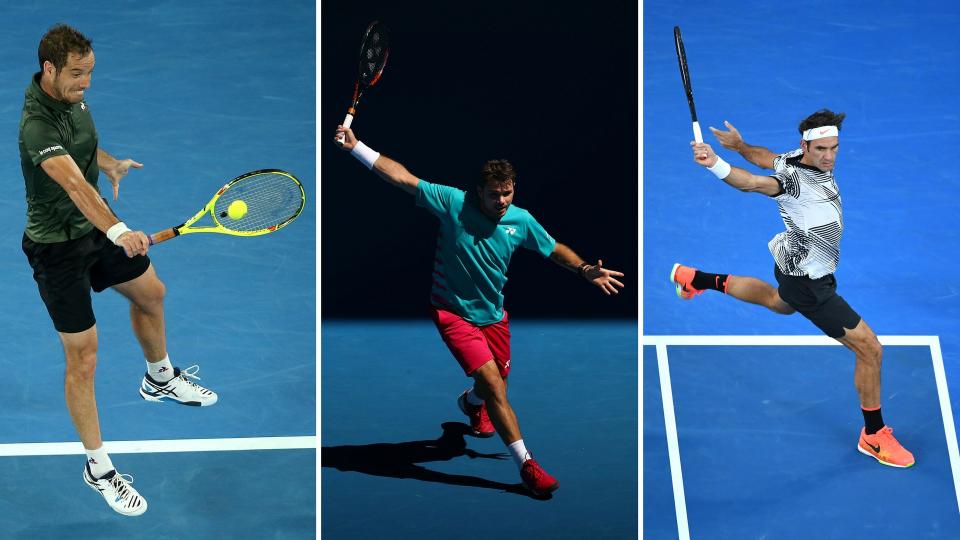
<point>884,448</point>
<point>682,276</point>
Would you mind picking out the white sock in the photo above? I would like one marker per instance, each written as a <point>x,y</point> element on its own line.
<point>473,399</point>
<point>99,462</point>
<point>519,452</point>
<point>161,371</point>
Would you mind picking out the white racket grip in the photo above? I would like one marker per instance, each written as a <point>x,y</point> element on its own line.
<point>346,123</point>
<point>697,135</point>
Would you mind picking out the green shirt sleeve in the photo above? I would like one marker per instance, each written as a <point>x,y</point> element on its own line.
<point>438,199</point>
<point>537,239</point>
<point>42,140</point>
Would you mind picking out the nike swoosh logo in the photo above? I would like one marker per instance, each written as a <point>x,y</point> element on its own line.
<point>822,131</point>
<point>872,447</point>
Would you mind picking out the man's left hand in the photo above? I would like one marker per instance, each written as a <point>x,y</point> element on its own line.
<point>117,171</point>
<point>603,278</point>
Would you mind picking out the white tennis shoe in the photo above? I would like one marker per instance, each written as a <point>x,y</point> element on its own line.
<point>117,490</point>
<point>180,389</point>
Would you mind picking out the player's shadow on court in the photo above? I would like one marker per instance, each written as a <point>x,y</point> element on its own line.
<point>400,460</point>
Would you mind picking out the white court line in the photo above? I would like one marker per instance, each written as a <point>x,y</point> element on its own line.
<point>148,447</point>
<point>673,445</point>
<point>945,410</point>
<point>782,341</point>
<point>661,342</point>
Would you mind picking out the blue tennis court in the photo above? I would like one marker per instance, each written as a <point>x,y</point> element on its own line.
<point>730,453</point>
<point>766,434</point>
<point>395,460</point>
<point>181,87</point>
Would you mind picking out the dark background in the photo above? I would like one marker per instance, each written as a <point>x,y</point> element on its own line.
<point>553,89</point>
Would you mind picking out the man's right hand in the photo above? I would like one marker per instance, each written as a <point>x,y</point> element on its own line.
<point>349,139</point>
<point>134,243</point>
<point>703,154</point>
<point>731,140</point>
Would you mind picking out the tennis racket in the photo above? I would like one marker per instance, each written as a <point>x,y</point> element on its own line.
<point>374,51</point>
<point>685,76</point>
<point>270,199</point>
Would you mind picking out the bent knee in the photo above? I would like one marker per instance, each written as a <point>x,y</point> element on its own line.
<point>488,380</point>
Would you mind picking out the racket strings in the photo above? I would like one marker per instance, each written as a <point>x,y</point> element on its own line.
<point>373,53</point>
<point>272,200</point>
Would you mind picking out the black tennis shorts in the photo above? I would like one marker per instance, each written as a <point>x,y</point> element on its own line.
<point>817,300</point>
<point>66,271</point>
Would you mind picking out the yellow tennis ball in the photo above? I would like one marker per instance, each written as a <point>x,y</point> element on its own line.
<point>237,209</point>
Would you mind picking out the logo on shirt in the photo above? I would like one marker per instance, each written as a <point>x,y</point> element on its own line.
<point>83,106</point>
<point>51,149</point>
<point>510,230</point>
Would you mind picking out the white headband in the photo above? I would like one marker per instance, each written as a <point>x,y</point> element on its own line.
<point>821,132</point>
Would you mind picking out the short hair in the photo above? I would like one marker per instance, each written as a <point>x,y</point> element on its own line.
<point>59,42</point>
<point>823,117</point>
<point>497,170</point>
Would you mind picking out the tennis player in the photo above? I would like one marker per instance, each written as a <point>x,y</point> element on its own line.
<point>806,254</point>
<point>73,242</point>
<point>479,231</point>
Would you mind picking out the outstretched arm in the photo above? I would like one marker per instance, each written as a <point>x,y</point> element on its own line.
<point>65,172</point>
<point>594,273</point>
<point>391,171</point>
<point>732,140</point>
<point>736,177</point>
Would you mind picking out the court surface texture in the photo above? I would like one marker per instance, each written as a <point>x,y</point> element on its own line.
<point>180,87</point>
<point>750,430</point>
<point>396,462</point>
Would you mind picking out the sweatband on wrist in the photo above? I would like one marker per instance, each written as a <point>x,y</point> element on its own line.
<point>720,169</point>
<point>365,154</point>
<point>118,229</point>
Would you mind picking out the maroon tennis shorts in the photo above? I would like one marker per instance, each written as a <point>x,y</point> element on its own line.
<point>472,345</point>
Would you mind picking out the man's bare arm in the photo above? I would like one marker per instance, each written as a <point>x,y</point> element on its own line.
<point>391,171</point>
<point>732,140</point>
<point>738,178</point>
<point>65,172</point>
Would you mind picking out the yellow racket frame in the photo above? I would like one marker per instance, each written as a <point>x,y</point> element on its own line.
<point>187,228</point>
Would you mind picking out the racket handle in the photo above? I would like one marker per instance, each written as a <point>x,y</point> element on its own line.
<point>162,236</point>
<point>697,135</point>
<point>346,123</point>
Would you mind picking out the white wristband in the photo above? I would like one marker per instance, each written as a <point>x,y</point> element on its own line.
<point>365,154</point>
<point>114,232</point>
<point>720,169</point>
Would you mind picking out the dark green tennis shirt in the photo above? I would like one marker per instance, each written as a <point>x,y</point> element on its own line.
<point>53,128</point>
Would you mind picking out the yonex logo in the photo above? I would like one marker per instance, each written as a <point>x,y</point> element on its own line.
<point>510,230</point>
<point>164,368</point>
<point>93,461</point>
<point>51,149</point>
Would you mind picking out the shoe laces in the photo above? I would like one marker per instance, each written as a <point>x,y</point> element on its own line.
<point>534,470</point>
<point>886,432</point>
<point>190,372</point>
<point>121,483</point>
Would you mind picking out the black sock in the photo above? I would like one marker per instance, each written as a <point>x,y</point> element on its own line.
<point>704,281</point>
<point>872,420</point>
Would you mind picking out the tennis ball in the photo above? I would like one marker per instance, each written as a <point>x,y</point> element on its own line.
<point>237,209</point>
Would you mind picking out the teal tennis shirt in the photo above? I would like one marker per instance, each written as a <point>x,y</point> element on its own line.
<point>473,252</point>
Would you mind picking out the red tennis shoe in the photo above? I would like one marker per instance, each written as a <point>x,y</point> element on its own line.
<point>537,480</point>
<point>479,420</point>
